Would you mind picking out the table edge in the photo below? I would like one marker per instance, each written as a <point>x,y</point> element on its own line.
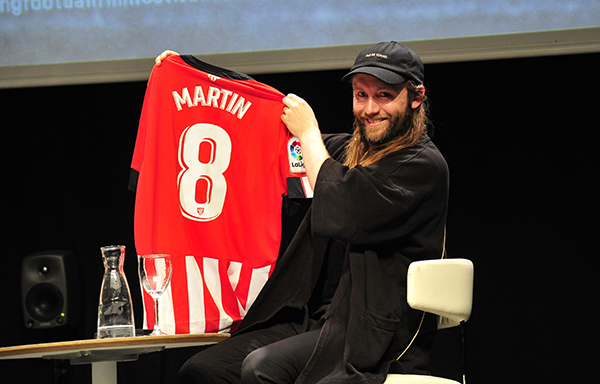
<point>168,341</point>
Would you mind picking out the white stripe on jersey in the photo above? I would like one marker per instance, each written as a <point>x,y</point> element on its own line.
<point>195,296</point>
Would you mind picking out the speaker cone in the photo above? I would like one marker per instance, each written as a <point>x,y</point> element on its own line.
<point>44,302</point>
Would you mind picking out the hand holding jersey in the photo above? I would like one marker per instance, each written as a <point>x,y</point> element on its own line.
<point>300,119</point>
<point>163,56</point>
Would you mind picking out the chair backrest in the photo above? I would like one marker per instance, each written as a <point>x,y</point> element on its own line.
<point>443,287</point>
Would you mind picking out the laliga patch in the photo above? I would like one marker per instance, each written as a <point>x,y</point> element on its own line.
<point>295,156</point>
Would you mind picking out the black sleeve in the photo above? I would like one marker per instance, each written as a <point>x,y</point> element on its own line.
<point>380,202</point>
<point>133,179</point>
<point>336,144</point>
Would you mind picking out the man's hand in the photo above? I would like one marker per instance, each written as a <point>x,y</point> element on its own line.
<point>163,56</point>
<point>298,116</point>
<point>300,119</point>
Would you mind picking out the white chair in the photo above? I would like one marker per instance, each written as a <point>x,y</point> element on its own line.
<point>443,287</point>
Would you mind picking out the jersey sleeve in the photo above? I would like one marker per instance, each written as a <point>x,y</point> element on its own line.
<point>140,142</point>
<point>297,182</point>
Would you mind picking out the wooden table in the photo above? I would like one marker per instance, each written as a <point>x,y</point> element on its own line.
<point>104,354</point>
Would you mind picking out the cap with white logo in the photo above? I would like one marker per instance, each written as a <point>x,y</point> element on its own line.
<point>390,62</point>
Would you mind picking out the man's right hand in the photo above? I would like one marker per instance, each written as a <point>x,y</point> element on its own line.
<point>163,56</point>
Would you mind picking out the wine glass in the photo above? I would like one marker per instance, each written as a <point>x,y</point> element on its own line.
<point>155,275</point>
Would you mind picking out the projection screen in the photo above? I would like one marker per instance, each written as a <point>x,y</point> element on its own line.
<point>52,42</point>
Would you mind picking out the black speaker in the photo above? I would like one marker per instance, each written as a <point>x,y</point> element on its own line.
<point>49,289</point>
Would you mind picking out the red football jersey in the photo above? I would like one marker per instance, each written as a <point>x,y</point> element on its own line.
<point>213,159</point>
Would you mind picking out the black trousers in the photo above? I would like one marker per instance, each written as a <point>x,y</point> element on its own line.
<point>273,355</point>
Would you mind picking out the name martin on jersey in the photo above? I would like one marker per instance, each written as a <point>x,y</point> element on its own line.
<point>212,97</point>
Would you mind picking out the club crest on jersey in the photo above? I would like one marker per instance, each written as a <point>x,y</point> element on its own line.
<point>295,156</point>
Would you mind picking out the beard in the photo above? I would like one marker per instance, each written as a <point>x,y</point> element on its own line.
<point>398,126</point>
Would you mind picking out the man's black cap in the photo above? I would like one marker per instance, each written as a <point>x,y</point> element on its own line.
<point>390,62</point>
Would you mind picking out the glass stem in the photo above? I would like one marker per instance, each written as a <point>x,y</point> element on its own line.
<point>156,323</point>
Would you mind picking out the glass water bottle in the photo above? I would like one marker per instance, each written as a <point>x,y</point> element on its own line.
<point>115,310</point>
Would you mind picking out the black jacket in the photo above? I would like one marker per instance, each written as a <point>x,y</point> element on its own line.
<point>389,213</point>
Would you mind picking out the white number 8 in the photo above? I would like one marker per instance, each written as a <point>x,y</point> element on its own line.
<point>204,155</point>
